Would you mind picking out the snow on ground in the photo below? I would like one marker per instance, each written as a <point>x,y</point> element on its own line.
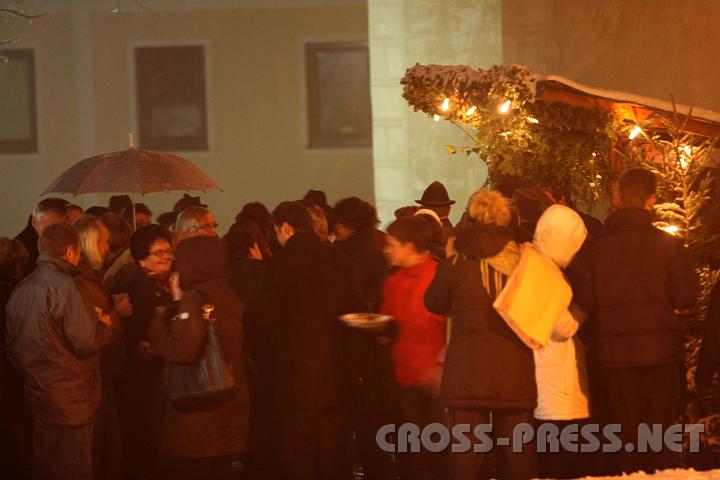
<point>673,474</point>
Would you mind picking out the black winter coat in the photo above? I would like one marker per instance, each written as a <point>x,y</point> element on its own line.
<point>308,284</point>
<point>632,278</point>
<point>710,350</point>
<point>486,365</point>
<point>365,251</point>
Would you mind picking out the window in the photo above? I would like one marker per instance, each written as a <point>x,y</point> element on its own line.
<point>18,121</point>
<point>338,93</point>
<point>171,100</point>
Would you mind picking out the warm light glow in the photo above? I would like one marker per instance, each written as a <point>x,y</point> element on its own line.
<point>635,132</point>
<point>505,107</point>
<point>686,152</point>
<point>436,117</point>
<point>445,105</point>
<point>598,176</point>
<point>671,229</point>
<point>471,110</point>
<point>533,120</point>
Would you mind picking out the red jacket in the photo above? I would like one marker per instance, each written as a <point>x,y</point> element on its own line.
<point>419,348</point>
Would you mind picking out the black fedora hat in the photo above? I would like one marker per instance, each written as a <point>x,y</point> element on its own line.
<point>435,195</point>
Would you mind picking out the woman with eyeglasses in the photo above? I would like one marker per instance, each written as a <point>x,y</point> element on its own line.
<point>154,285</point>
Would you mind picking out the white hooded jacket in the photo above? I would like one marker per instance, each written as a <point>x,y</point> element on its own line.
<point>560,369</point>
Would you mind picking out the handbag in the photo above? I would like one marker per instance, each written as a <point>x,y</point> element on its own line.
<point>210,376</point>
<point>534,297</point>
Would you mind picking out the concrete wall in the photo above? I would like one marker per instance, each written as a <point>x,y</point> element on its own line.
<point>256,100</point>
<point>649,48</point>
<point>408,151</point>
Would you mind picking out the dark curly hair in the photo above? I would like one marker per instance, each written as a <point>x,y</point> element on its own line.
<point>355,214</point>
<point>143,239</point>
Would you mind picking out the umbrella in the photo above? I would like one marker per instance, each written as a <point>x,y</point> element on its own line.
<point>131,171</point>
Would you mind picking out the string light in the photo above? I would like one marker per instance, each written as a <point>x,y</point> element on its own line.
<point>671,229</point>
<point>533,120</point>
<point>635,132</point>
<point>471,110</point>
<point>436,117</point>
<point>445,105</point>
<point>505,107</point>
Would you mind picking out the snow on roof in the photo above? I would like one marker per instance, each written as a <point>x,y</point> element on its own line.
<point>624,97</point>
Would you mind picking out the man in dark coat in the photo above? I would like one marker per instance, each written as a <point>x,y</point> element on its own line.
<point>635,279</point>
<point>48,212</point>
<point>54,338</point>
<point>368,376</point>
<point>710,350</point>
<point>308,284</point>
<point>436,198</point>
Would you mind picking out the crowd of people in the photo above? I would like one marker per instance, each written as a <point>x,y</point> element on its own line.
<point>137,350</point>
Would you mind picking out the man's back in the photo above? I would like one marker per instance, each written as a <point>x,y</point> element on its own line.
<point>53,338</point>
<point>634,276</point>
<point>308,284</point>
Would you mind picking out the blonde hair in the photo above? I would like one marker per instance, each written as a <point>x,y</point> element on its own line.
<point>320,223</point>
<point>489,207</point>
<point>88,229</point>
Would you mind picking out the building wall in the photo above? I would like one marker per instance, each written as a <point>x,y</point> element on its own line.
<point>256,100</point>
<point>408,148</point>
<point>648,48</point>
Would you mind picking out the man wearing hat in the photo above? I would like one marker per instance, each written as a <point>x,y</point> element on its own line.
<point>436,198</point>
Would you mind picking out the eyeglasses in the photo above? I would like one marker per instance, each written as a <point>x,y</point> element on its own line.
<point>162,253</point>
<point>209,226</point>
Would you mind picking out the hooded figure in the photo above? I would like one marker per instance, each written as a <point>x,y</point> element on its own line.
<point>560,366</point>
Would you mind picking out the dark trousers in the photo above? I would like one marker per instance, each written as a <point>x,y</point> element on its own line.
<point>515,466</point>
<point>631,396</point>
<point>214,468</point>
<point>565,464</point>
<point>62,453</point>
<point>420,407</point>
<point>309,440</point>
<point>107,441</point>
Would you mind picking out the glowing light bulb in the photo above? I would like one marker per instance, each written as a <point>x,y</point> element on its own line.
<point>505,107</point>
<point>445,105</point>
<point>533,120</point>
<point>671,229</point>
<point>635,132</point>
<point>471,110</point>
<point>436,117</point>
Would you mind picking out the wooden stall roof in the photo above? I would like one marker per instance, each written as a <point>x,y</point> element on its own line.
<point>626,106</point>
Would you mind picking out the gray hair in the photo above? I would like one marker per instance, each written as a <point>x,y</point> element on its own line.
<point>189,219</point>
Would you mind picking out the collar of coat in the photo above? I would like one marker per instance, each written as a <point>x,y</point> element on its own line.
<point>482,241</point>
<point>629,218</point>
<point>362,239</point>
<point>57,262</point>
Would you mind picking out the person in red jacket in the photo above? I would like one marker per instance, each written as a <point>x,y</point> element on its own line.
<point>420,344</point>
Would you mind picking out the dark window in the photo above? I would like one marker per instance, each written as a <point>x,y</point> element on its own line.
<point>171,104</point>
<point>338,92</point>
<point>18,120</point>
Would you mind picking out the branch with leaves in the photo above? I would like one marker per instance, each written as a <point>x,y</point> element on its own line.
<point>553,146</point>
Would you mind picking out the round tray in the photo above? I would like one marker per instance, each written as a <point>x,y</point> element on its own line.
<point>365,320</point>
